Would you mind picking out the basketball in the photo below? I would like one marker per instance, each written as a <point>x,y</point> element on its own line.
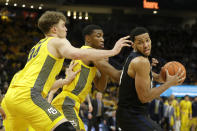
<point>172,68</point>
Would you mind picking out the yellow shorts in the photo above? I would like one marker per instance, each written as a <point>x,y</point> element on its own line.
<point>68,105</point>
<point>194,121</point>
<point>26,107</point>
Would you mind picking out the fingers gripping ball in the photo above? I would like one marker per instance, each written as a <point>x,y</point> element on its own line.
<point>172,68</point>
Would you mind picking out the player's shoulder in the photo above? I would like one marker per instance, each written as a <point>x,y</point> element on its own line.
<point>58,41</point>
<point>140,61</point>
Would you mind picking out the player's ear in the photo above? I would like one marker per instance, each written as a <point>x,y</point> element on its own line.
<point>53,29</point>
<point>133,45</point>
<point>87,38</point>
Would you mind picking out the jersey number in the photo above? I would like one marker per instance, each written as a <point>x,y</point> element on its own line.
<point>33,53</point>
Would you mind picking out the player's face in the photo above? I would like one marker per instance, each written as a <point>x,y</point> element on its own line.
<point>61,29</point>
<point>96,39</point>
<point>142,44</point>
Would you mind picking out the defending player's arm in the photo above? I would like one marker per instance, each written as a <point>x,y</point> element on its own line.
<point>51,95</point>
<point>141,68</point>
<point>65,49</point>
<point>108,69</point>
<point>100,81</point>
<point>61,82</point>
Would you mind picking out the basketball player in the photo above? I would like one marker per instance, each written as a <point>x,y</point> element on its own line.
<point>69,100</point>
<point>136,87</point>
<point>24,99</point>
<point>69,72</point>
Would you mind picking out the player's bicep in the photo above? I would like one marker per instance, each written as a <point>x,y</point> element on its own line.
<point>142,80</point>
<point>66,50</point>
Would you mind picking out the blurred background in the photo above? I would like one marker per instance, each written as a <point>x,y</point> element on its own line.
<point>172,25</point>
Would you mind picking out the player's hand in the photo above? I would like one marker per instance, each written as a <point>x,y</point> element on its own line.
<point>154,62</point>
<point>122,42</point>
<point>70,74</point>
<point>176,79</point>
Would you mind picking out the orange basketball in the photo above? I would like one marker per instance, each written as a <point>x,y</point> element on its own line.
<point>172,68</point>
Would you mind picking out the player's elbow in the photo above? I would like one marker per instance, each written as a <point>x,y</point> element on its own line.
<point>116,77</point>
<point>143,99</point>
<point>116,80</point>
<point>101,88</point>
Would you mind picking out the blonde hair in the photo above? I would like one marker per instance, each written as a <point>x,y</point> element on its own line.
<point>48,19</point>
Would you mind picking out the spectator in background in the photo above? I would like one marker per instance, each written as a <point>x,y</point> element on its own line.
<point>169,116</point>
<point>185,113</point>
<point>156,110</point>
<point>111,122</point>
<point>176,107</point>
<point>97,113</point>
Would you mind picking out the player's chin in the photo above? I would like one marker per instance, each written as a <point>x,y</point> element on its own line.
<point>147,53</point>
<point>101,47</point>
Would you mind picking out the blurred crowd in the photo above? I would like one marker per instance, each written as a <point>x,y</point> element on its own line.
<point>19,34</point>
<point>172,114</point>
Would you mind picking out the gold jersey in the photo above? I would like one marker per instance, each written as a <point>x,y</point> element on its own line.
<point>40,70</point>
<point>82,83</point>
<point>186,106</point>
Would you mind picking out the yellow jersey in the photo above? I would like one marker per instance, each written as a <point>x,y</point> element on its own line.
<point>40,70</point>
<point>186,106</point>
<point>175,105</point>
<point>82,83</point>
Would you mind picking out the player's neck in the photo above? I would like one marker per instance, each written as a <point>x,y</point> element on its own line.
<point>51,35</point>
<point>88,44</point>
<point>136,51</point>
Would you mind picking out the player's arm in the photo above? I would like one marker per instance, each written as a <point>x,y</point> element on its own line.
<point>51,95</point>
<point>108,69</point>
<point>61,82</point>
<point>70,75</point>
<point>65,49</point>
<point>100,81</point>
<point>141,67</point>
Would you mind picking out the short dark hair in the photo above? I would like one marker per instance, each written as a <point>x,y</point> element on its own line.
<point>137,31</point>
<point>88,30</point>
<point>48,19</point>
